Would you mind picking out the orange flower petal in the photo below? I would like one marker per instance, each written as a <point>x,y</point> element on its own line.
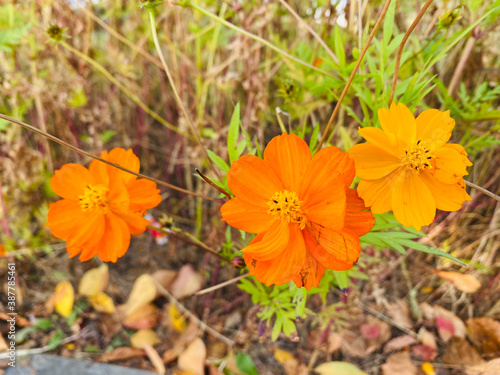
<point>253,181</point>
<point>448,165</point>
<point>143,194</point>
<point>116,239</point>
<point>88,229</point>
<point>284,267</point>
<point>126,159</point>
<point>372,162</point>
<point>246,217</point>
<point>288,155</point>
<point>321,171</point>
<point>377,194</point>
<point>460,149</point>
<point>434,127</point>
<point>311,273</point>
<point>377,137</point>
<point>357,219</point>
<point>87,253</point>
<point>100,172</point>
<point>118,197</point>
<point>448,197</point>
<point>135,222</point>
<point>62,217</point>
<point>273,243</point>
<point>412,202</point>
<point>334,250</point>
<point>328,206</point>
<point>69,181</point>
<point>399,125</point>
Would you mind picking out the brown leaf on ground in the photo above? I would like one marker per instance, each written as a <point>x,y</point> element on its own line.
<point>399,364</point>
<point>355,344</point>
<point>187,336</point>
<point>187,282</point>
<point>399,343</point>
<point>488,368</point>
<point>165,278</point>
<point>334,342</point>
<point>427,338</point>
<point>460,352</point>
<point>64,297</point>
<point>143,318</point>
<point>101,302</point>
<point>121,354</point>
<point>144,336</point>
<point>3,344</point>
<point>431,313</point>
<point>110,325</point>
<point>463,282</point>
<point>484,333</point>
<point>399,311</point>
<point>155,359</point>
<point>193,358</point>
<point>94,281</point>
<point>143,292</point>
<point>445,328</point>
<point>425,352</point>
<point>21,321</point>
<point>338,368</point>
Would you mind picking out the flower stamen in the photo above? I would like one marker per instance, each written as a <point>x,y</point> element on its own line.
<point>417,158</point>
<point>94,196</point>
<point>285,205</point>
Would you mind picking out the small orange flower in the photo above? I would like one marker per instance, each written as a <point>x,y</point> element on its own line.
<point>408,167</point>
<point>101,206</point>
<point>306,217</point>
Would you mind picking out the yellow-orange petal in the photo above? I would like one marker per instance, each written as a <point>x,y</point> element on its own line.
<point>399,125</point>
<point>246,217</point>
<point>288,155</point>
<point>322,169</point>
<point>116,239</point>
<point>434,127</point>
<point>377,137</point>
<point>461,150</point>
<point>311,273</point>
<point>372,162</point>
<point>69,181</point>
<point>126,159</point>
<point>284,267</point>
<point>334,250</point>
<point>88,229</point>
<point>448,197</point>
<point>327,206</point>
<point>119,200</point>
<point>273,243</point>
<point>135,222</point>
<point>413,204</point>
<point>448,165</point>
<point>377,194</point>
<point>62,217</point>
<point>100,172</point>
<point>253,181</point>
<point>357,220</point>
<point>143,195</point>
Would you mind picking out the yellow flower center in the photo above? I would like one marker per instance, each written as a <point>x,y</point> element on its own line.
<point>417,157</point>
<point>285,205</point>
<point>94,196</point>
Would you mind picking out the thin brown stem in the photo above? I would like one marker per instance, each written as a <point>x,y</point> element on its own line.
<point>351,77</point>
<point>208,181</point>
<point>221,285</point>
<point>310,29</point>
<point>482,190</point>
<point>85,153</point>
<point>402,45</point>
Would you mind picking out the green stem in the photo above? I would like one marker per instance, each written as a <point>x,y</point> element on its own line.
<point>256,38</point>
<point>123,88</point>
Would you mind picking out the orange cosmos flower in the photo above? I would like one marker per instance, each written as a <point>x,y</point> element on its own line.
<point>306,217</point>
<point>101,206</point>
<point>408,167</point>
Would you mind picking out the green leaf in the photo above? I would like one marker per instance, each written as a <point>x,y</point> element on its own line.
<point>77,98</point>
<point>342,280</point>
<point>233,133</point>
<point>339,47</point>
<point>277,325</point>
<point>389,22</point>
<point>218,161</point>
<point>107,136</point>
<point>245,364</point>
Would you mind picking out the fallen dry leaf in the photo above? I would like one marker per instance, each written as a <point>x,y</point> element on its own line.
<point>187,282</point>
<point>187,336</point>
<point>64,297</point>
<point>359,346</point>
<point>428,369</point>
<point>463,282</point>
<point>101,302</point>
<point>144,318</point>
<point>425,352</point>
<point>143,292</point>
<point>176,319</point>
<point>155,359</point>
<point>427,338</point>
<point>399,311</point>
<point>399,343</point>
<point>334,342</point>
<point>121,354</point>
<point>338,368</point>
<point>460,352</point>
<point>484,333</point>
<point>94,281</point>
<point>193,358</point>
<point>445,328</point>
<point>144,336</point>
<point>281,356</point>
<point>399,364</point>
<point>488,368</point>
<point>165,278</point>
<point>431,313</point>
<point>3,344</point>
